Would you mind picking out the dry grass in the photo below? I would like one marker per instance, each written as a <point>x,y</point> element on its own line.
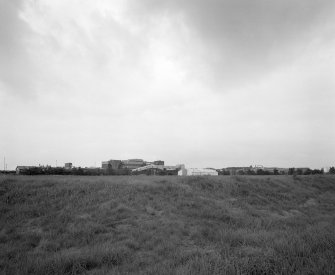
<point>167,225</point>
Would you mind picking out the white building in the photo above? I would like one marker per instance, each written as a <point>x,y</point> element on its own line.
<point>197,172</point>
<point>326,169</point>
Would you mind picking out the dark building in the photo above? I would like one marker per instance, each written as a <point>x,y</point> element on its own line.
<point>153,169</point>
<point>128,164</point>
<point>22,169</point>
<point>68,165</point>
<point>133,163</point>
<point>104,164</point>
<point>111,164</point>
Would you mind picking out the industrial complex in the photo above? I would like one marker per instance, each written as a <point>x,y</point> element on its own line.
<point>139,166</point>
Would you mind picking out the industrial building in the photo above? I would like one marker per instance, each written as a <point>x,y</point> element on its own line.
<point>111,164</point>
<point>158,162</point>
<point>133,163</point>
<point>129,164</point>
<point>197,172</point>
<point>153,169</point>
<point>116,164</point>
<point>138,166</point>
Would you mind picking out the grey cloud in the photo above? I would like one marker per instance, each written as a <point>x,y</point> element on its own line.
<point>113,43</point>
<point>10,25</point>
<point>241,38</point>
<point>15,64</point>
<point>33,60</point>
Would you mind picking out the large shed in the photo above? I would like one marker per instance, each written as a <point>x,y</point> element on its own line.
<point>197,172</point>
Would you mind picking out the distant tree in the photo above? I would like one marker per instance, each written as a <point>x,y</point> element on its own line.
<point>32,171</point>
<point>275,171</point>
<point>250,172</point>
<point>332,170</point>
<point>260,172</point>
<point>308,171</point>
<point>317,171</point>
<point>223,171</point>
<point>79,171</point>
<point>291,171</point>
<point>299,171</point>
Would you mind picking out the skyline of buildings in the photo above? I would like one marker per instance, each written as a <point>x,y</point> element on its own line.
<point>138,166</point>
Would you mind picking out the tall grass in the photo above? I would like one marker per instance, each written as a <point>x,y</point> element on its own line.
<point>167,225</point>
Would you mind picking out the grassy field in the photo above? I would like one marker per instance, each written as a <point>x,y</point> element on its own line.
<point>167,225</point>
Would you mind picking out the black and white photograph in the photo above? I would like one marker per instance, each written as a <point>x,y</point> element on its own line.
<point>167,137</point>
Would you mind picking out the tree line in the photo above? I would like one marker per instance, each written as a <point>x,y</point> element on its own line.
<point>77,171</point>
<point>290,171</point>
<point>48,170</point>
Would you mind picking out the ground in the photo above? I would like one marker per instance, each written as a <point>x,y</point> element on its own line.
<point>167,225</point>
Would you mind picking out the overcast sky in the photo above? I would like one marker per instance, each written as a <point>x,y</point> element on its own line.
<point>206,83</point>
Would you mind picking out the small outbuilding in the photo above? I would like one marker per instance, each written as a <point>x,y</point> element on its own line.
<point>68,165</point>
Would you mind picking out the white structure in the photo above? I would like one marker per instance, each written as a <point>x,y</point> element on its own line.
<point>326,169</point>
<point>197,172</point>
<point>153,166</point>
